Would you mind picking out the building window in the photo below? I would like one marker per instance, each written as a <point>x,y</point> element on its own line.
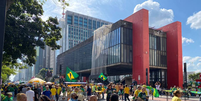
<point>98,24</point>
<point>75,20</point>
<point>89,24</point>
<point>69,19</point>
<point>94,24</point>
<point>80,21</point>
<point>85,22</point>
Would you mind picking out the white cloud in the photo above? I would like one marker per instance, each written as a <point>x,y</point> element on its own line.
<point>195,20</point>
<point>186,58</point>
<point>86,7</point>
<point>193,63</point>
<point>187,40</point>
<point>192,60</point>
<point>199,64</point>
<point>157,16</point>
<point>200,45</point>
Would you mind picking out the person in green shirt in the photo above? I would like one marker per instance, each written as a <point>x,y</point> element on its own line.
<point>8,97</point>
<point>2,95</point>
<point>11,89</point>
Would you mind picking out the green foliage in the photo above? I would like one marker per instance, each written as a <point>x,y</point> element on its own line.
<point>6,72</point>
<point>25,30</point>
<point>41,74</point>
<point>52,79</point>
<point>194,76</point>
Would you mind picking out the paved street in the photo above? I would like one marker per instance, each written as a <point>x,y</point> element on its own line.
<point>163,98</point>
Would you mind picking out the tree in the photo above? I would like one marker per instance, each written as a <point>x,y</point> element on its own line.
<point>25,30</point>
<point>194,76</point>
<point>6,72</point>
<point>10,2</point>
<point>42,74</point>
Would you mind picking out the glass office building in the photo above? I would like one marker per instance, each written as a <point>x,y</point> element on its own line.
<point>110,51</point>
<point>76,28</point>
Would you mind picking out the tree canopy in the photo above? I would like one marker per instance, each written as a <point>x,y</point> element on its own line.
<point>24,30</point>
<point>42,74</point>
<point>194,76</point>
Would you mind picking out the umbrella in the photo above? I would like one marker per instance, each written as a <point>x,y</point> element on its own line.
<point>36,80</point>
<point>48,83</point>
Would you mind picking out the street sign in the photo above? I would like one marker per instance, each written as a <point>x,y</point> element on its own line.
<point>138,77</point>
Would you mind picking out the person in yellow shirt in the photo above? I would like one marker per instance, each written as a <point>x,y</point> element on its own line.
<point>144,86</point>
<point>126,92</point>
<point>103,91</point>
<point>177,95</point>
<point>117,88</point>
<point>137,91</point>
<point>58,88</point>
<point>53,91</point>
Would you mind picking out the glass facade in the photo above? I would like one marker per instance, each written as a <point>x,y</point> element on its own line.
<point>157,57</point>
<point>157,51</point>
<point>158,75</point>
<point>77,59</point>
<point>111,47</point>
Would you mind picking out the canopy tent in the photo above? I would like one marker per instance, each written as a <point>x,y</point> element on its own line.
<point>48,83</point>
<point>37,80</point>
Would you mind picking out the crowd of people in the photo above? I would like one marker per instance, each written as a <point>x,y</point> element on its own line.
<point>90,92</point>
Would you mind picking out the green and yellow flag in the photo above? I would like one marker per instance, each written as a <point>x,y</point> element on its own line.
<point>155,93</point>
<point>71,76</point>
<point>102,77</point>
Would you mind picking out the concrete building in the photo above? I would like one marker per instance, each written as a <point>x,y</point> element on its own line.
<point>76,28</point>
<point>39,60</point>
<point>129,47</point>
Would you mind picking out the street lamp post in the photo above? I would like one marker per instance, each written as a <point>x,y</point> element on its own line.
<point>2,31</point>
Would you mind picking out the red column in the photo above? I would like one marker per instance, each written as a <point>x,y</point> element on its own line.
<point>85,79</point>
<point>174,54</point>
<point>140,22</point>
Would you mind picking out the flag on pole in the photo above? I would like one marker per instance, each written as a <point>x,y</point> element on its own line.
<point>102,77</point>
<point>71,76</point>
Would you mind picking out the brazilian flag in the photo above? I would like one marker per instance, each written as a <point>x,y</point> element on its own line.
<point>102,77</point>
<point>71,76</point>
<point>155,93</point>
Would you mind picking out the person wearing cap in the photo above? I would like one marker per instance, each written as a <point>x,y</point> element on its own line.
<point>137,91</point>
<point>8,97</point>
<point>53,91</point>
<point>47,92</point>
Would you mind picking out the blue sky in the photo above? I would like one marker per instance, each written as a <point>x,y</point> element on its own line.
<point>161,12</point>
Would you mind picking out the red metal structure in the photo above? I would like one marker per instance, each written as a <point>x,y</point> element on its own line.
<point>140,22</point>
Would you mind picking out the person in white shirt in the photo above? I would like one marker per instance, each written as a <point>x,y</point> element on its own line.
<point>30,94</point>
